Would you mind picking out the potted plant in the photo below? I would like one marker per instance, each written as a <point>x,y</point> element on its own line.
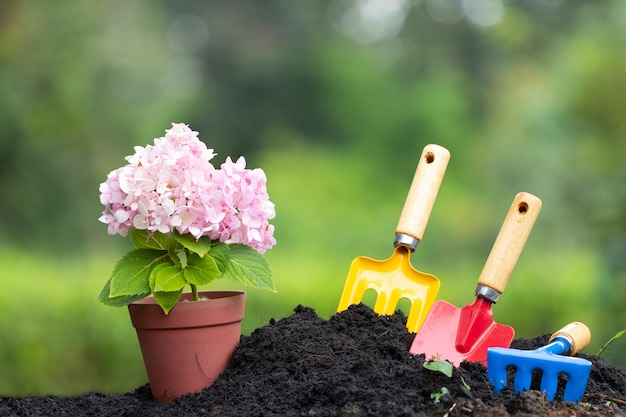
<point>190,224</point>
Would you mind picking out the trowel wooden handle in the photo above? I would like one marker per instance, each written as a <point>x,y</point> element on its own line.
<point>578,334</point>
<point>423,192</point>
<point>510,241</point>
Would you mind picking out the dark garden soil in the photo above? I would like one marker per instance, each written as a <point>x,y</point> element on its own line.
<point>354,364</point>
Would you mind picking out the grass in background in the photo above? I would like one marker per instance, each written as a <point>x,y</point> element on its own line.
<point>55,338</point>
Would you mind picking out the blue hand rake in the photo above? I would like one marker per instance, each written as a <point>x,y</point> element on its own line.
<point>547,359</point>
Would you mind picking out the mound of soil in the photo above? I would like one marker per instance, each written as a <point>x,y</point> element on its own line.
<point>354,364</point>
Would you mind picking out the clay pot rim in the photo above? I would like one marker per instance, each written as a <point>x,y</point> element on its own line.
<point>231,303</point>
<point>185,297</point>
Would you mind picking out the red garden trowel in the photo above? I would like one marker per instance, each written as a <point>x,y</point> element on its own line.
<point>567,341</point>
<point>458,334</point>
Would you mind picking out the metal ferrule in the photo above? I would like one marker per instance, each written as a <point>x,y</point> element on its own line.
<point>488,293</point>
<point>406,241</point>
<point>568,342</point>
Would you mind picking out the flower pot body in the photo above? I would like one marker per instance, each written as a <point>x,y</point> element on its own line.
<point>186,350</point>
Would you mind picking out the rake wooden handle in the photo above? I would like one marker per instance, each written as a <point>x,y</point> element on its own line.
<point>577,333</point>
<point>423,192</point>
<point>508,246</point>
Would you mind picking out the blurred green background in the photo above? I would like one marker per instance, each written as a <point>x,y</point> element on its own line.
<point>335,99</point>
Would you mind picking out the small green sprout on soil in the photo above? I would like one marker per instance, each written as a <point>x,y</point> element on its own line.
<point>611,340</point>
<point>445,368</point>
<point>436,396</point>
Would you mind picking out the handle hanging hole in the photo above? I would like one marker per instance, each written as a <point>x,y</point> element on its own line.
<point>522,208</point>
<point>429,157</point>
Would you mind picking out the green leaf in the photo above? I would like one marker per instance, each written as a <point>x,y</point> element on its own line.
<point>167,277</point>
<point>121,301</point>
<point>142,239</point>
<point>201,271</point>
<point>181,256</point>
<point>249,267</point>
<point>444,367</point>
<point>465,384</point>
<point>132,273</point>
<point>175,249</point>
<point>167,299</point>
<point>175,259</point>
<point>221,254</point>
<point>201,246</point>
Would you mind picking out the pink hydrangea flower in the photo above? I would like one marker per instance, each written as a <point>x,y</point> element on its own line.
<point>172,185</point>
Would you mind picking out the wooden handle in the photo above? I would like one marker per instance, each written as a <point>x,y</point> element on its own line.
<point>510,241</point>
<point>423,192</point>
<point>578,333</point>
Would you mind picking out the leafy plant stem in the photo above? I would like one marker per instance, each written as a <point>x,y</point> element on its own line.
<point>194,292</point>
<point>611,340</point>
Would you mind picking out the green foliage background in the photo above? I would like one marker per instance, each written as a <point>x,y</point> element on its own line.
<point>335,100</point>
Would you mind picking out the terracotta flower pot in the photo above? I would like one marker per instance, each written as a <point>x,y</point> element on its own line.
<point>186,350</point>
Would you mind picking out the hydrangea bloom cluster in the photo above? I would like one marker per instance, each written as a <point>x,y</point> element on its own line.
<point>172,185</point>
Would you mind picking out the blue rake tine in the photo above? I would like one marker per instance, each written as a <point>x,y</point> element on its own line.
<point>548,360</point>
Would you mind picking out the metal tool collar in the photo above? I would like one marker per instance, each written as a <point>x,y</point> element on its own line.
<point>488,293</point>
<point>407,241</point>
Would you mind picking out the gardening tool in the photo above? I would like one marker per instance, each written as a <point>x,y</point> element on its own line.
<point>567,341</point>
<point>458,334</point>
<point>395,277</point>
